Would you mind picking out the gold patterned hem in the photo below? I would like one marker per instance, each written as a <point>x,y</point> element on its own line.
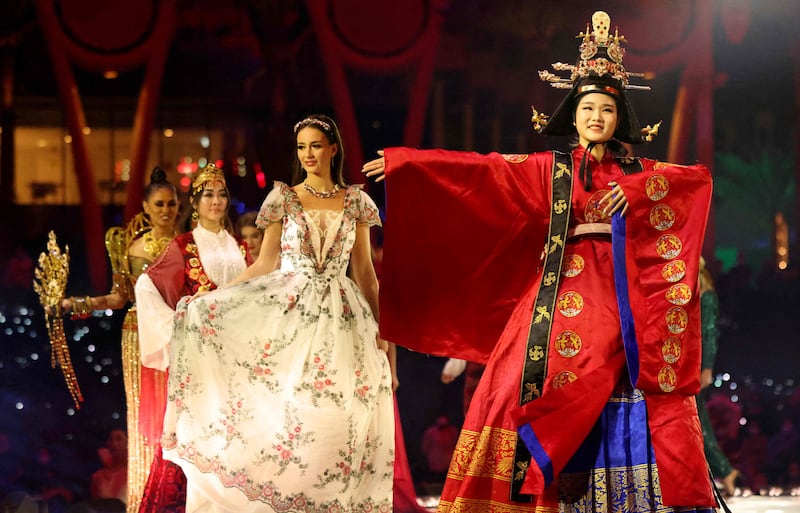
<point>140,455</point>
<point>462,505</point>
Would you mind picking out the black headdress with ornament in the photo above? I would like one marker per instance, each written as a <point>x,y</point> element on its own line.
<point>598,70</point>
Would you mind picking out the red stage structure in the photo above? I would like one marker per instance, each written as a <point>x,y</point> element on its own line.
<point>106,36</point>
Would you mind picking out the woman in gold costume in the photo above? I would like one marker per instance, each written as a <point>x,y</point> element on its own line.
<point>132,250</point>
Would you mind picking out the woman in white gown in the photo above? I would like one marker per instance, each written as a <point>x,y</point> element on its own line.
<point>280,391</point>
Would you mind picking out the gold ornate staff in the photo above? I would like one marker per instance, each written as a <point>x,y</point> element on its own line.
<point>49,283</point>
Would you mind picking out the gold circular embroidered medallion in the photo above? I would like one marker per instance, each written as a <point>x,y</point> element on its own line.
<point>514,158</point>
<point>568,343</point>
<point>563,377</point>
<point>671,349</point>
<point>573,265</point>
<point>679,294</point>
<point>677,320</point>
<point>662,217</point>
<point>656,187</point>
<point>594,209</point>
<point>570,303</point>
<point>668,246</point>
<point>674,271</point>
<point>667,379</point>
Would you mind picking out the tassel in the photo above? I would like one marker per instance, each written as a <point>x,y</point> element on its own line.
<point>585,171</point>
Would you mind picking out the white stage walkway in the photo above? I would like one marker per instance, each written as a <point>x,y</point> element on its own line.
<point>763,504</point>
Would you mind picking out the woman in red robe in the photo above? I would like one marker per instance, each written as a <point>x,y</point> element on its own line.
<point>573,277</point>
<point>202,259</point>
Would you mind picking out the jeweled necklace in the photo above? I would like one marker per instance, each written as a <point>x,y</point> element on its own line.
<point>153,246</point>
<point>323,195</point>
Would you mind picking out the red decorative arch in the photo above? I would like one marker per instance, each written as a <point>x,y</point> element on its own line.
<point>378,38</point>
<point>102,35</point>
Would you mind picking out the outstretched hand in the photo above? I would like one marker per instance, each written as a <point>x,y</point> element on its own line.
<point>383,345</point>
<point>616,200</point>
<point>376,168</point>
<point>198,294</point>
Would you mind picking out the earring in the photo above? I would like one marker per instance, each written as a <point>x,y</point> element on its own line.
<point>195,216</point>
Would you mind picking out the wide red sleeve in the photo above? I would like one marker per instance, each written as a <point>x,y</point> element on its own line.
<point>659,253</point>
<point>462,240</point>
<point>656,258</point>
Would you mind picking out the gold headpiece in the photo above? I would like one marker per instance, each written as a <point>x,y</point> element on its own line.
<point>600,54</point>
<point>211,173</point>
<point>599,70</point>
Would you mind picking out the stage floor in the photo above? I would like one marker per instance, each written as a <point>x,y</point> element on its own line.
<point>750,504</point>
<point>763,504</point>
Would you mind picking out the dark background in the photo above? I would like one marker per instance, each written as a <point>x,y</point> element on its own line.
<point>258,64</point>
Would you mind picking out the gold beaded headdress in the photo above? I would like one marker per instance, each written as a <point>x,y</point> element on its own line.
<point>599,69</point>
<point>210,173</point>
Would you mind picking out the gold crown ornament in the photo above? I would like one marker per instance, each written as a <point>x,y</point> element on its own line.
<point>599,69</point>
<point>599,54</point>
<point>210,173</point>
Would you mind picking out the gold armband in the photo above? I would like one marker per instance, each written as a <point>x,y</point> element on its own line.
<point>81,307</point>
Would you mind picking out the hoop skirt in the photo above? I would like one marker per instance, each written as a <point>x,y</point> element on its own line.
<point>279,399</point>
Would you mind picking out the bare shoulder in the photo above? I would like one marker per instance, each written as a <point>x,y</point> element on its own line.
<point>137,248</point>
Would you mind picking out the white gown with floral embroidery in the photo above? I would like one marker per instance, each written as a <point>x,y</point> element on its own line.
<point>279,399</point>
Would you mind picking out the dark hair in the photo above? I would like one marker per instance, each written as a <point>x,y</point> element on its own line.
<point>246,219</point>
<point>328,127</point>
<point>158,180</point>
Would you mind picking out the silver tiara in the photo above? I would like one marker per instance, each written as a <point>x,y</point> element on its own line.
<point>313,121</point>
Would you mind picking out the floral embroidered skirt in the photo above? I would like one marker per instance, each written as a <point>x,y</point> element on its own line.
<point>279,399</point>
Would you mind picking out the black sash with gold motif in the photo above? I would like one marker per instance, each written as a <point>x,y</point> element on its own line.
<point>535,366</point>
